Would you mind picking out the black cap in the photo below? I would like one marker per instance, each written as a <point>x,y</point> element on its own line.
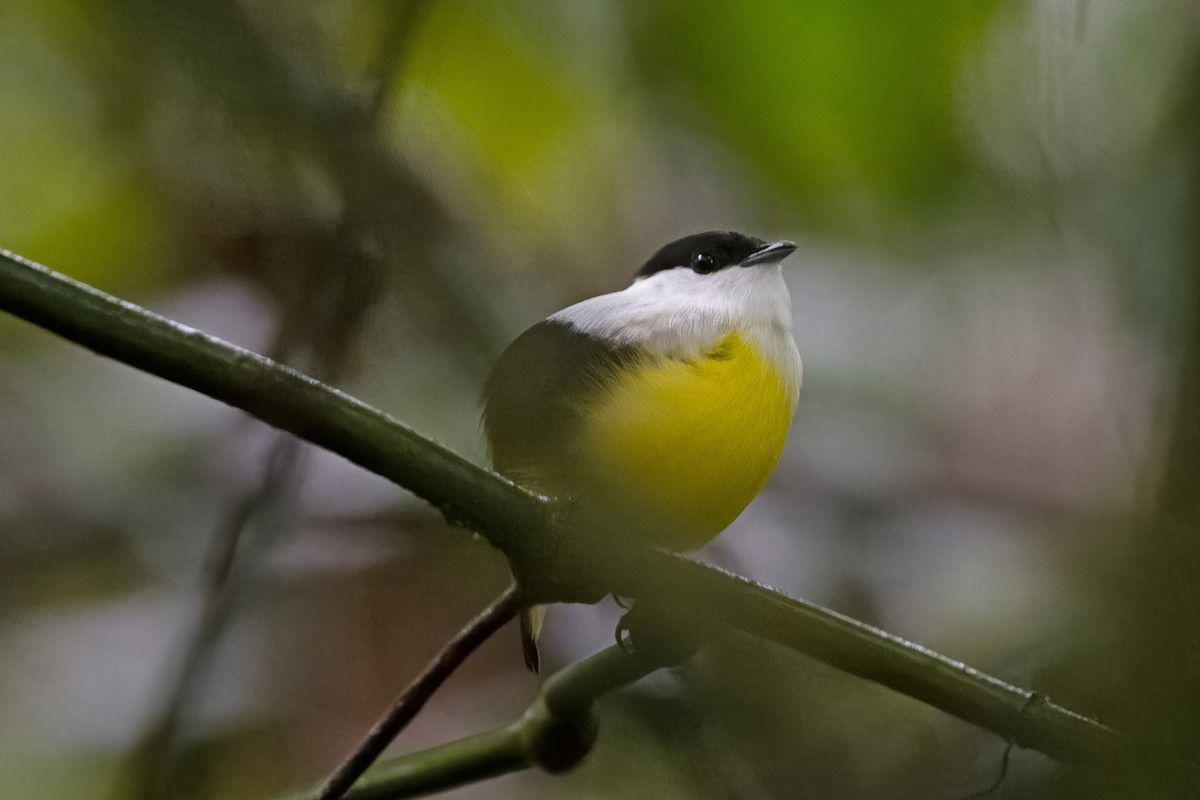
<point>715,250</point>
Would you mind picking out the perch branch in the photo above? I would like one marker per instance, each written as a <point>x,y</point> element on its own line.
<point>519,523</point>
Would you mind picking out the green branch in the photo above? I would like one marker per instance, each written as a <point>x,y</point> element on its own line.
<point>276,394</point>
<point>552,564</point>
<point>554,734</point>
<point>417,693</point>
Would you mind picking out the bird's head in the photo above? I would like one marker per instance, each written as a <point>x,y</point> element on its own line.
<point>713,251</point>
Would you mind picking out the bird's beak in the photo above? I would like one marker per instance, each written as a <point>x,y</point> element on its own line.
<point>771,254</point>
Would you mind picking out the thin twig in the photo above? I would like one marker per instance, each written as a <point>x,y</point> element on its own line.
<point>1034,698</point>
<point>999,779</point>
<point>555,734</point>
<point>415,695</point>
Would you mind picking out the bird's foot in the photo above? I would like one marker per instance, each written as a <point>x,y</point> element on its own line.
<point>645,633</point>
<point>624,639</point>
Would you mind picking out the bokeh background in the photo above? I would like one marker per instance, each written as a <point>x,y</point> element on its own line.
<point>995,211</point>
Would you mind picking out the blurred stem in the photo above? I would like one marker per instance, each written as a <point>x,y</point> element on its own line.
<point>322,322</point>
<point>147,773</point>
<point>555,733</point>
<point>296,105</point>
<point>402,22</point>
<point>553,561</point>
<point>417,693</point>
<point>1160,697</point>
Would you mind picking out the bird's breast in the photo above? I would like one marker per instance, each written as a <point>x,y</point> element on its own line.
<point>688,444</point>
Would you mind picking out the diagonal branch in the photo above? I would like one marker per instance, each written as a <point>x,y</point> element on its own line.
<point>276,394</point>
<point>415,695</point>
<point>520,524</point>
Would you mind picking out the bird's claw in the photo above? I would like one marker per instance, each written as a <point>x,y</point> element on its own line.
<point>624,640</point>
<point>624,602</point>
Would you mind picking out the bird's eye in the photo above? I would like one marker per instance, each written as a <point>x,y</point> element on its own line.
<point>702,262</point>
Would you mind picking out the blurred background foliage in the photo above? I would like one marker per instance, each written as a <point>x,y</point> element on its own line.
<point>993,205</point>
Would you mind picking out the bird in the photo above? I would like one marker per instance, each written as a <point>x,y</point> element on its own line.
<point>661,408</point>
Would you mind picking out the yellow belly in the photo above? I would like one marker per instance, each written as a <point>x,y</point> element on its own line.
<point>688,444</point>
